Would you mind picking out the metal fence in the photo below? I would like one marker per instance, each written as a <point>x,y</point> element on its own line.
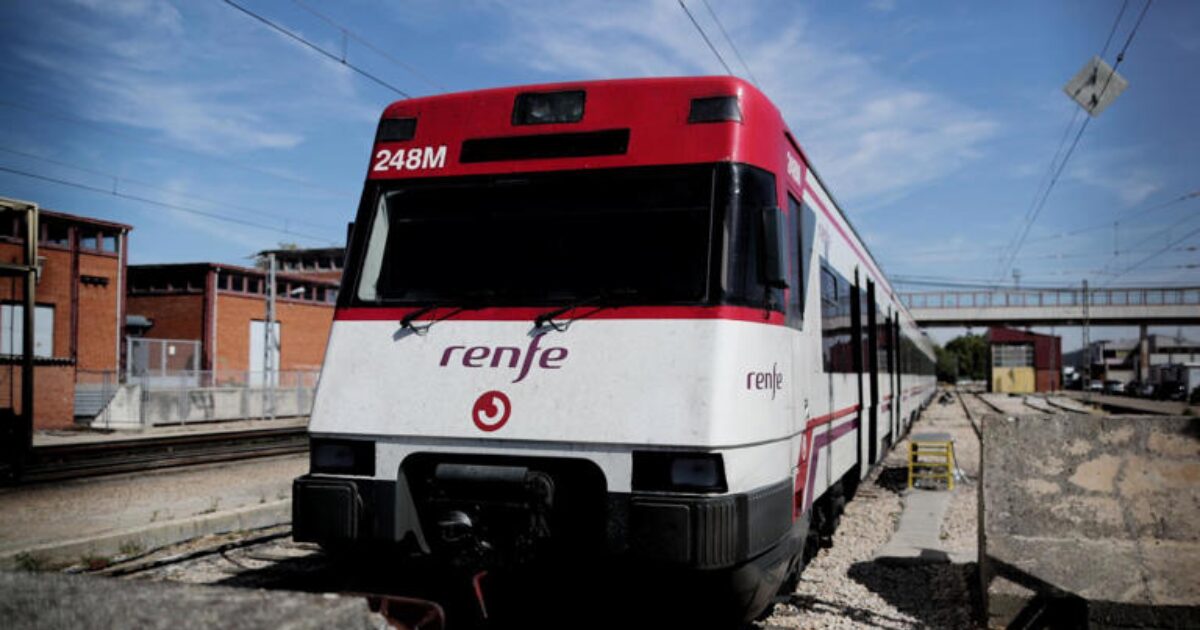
<point>186,396</point>
<point>1052,297</point>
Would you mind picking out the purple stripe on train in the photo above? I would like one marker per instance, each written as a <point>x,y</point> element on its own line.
<point>818,442</point>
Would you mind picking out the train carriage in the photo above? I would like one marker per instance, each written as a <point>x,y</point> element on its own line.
<point>618,316</point>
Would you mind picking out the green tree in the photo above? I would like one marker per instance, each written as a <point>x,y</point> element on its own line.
<point>966,357</point>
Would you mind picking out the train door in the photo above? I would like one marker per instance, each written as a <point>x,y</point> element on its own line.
<point>894,361</point>
<point>899,371</point>
<point>856,348</point>
<point>889,361</point>
<point>873,375</point>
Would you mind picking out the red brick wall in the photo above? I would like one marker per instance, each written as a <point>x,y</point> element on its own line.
<point>53,289</point>
<point>53,392</point>
<point>97,340</point>
<point>174,316</point>
<point>303,331</point>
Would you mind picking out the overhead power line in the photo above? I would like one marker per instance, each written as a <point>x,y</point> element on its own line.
<point>173,206</point>
<point>702,34</point>
<point>346,32</point>
<point>1140,212</point>
<point>1147,259</point>
<point>317,48</point>
<point>47,112</point>
<point>1040,200</point>
<point>118,179</point>
<point>729,40</point>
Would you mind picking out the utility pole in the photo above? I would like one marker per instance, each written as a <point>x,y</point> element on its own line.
<point>270,344</point>
<point>16,430</point>
<point>1087,342</point>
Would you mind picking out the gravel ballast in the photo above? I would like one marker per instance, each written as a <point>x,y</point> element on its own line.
<point>843,587</point>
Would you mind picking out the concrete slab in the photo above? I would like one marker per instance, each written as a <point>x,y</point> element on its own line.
<point>88,436</point>
<point>1094,513</point>
<point>51,600</point>
<point>917,539</point>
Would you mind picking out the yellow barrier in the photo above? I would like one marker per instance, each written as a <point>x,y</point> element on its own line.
<point>931,456</point>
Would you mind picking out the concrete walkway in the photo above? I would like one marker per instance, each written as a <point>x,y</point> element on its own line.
<point>917,539</point>
<point>60,524</point>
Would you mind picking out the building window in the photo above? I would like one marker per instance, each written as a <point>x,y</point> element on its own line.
<point>108,243</point>
<point>1012,356</point>
<point>89,240</point>
<point>58,234</point>
<point>12,330</point>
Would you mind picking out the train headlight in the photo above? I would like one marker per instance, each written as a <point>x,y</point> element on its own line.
<point>342,457</point>
<point>678,472</point>
<point>539,108</point>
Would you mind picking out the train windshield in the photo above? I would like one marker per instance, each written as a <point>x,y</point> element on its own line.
<point>543,238</point>
<point>653,235</point>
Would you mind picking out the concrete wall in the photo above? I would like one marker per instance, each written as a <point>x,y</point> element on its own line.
<point>221,403</point>
<point>1103,508</point>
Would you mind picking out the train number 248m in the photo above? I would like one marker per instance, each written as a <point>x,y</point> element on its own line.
<point>414,159</point>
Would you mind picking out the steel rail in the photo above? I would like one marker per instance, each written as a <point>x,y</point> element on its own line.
<point>73,461</point>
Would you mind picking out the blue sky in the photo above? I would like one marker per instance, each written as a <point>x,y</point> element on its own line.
<point>934,123</point>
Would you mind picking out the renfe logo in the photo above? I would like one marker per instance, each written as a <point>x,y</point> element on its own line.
<point>772,380</point>
<point>491,411</point>
<point>477,357</point>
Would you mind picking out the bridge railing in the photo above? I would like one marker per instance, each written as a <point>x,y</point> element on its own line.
<point>1022,298</point>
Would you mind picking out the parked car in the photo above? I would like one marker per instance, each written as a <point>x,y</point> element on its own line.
<point>1147,390</point>
<point>1114,387</point>
<point>1131,388</point>
<point>1095,386</point>
<point>1195,397</point>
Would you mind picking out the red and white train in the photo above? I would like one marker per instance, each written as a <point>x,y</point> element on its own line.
<point>619,317</point>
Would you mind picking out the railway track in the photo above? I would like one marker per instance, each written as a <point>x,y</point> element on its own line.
<point>73,461</point>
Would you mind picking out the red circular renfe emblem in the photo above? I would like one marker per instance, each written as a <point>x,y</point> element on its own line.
<point>491,411</point>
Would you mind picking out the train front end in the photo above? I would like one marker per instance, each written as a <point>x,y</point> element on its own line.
<point>563,340</point>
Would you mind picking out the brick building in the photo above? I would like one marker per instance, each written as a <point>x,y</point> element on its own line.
<point>79,312</point>
<point>324,263</point>
<point>224,308</point>
<point>1024,362</point>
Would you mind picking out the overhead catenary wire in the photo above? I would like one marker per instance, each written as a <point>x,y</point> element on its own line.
<point>43,111</point>
<point>118,179</point>
<point>729,40</point>
<point>1040,201</point>
<point>163,204</point>
<point>702,34</point>
<point>1117,219</point>
<point>317,48</point>
<point>365,42</point>
<point>1147,259</point>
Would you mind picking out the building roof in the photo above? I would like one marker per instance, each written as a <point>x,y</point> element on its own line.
<point>301,252</point>
<point>183,269</point>
<point>998,334</point>
<point>74,218</point>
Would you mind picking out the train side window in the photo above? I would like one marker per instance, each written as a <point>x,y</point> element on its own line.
<point>795,305</point>
<point>829,319</point>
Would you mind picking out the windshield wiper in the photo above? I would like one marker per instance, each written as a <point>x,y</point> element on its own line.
<point>472,301</point>
<point>605,299</point>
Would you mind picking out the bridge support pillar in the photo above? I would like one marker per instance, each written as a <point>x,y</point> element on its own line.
<point>1143,366</point>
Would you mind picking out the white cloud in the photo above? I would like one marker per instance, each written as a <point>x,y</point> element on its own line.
<point>873,138</point>
<point>216,82</point>
<point>1117,171</point>
<point>883,6</point>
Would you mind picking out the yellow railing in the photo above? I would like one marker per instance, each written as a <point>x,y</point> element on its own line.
<point>931,456</point>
